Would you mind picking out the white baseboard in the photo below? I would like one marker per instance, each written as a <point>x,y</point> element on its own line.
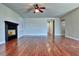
<point>21,36</point>
<point>58,35</point>
<point>72,38</point>
<point>35,35</point>
<point>40,35</point>
<point>2,42</point>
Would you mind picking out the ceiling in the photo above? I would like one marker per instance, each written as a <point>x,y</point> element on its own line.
<point>52,9</point>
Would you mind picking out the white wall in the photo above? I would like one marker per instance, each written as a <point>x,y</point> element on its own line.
<point>72,24</point>
<point>7,14</point>
<point>38,26</point>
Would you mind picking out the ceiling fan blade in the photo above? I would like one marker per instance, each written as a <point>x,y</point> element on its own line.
<point>42,7</point>
<point>34,12</point>
<point>41,11</point>
<point>36,6</point>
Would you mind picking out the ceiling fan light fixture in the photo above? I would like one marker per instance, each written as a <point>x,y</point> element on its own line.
<point>36,10</point>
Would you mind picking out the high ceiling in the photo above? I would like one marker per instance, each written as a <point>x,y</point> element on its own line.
<point>52,9</point>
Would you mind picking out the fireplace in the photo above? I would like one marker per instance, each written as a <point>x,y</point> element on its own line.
<point>10,30</point>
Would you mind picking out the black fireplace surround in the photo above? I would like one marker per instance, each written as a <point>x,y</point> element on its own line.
<point>9,26</point>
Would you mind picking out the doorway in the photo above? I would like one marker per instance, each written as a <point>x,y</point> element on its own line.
<point>63,27</point>
<point>51,28</point>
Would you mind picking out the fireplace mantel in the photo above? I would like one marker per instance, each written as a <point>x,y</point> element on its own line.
<point>11,23</point>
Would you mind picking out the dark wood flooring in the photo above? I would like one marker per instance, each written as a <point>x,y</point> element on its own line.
<point>40,46</point>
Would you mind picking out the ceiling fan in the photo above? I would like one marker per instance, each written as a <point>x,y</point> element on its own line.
<point>36,8</point>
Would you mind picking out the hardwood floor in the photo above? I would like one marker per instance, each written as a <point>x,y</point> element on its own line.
<point>40,46</point>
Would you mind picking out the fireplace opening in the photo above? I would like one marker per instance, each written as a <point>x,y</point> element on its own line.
<point>10,30</point>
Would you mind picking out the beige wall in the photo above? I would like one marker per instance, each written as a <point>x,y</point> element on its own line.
<point>72,24</point>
